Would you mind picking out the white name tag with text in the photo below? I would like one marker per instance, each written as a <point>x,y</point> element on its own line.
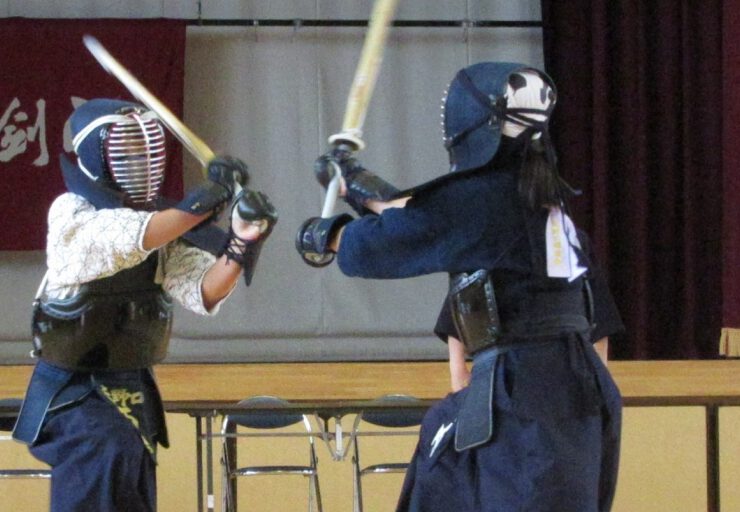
<point>560,240</point>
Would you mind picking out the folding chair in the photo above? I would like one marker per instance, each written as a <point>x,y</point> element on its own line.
<point>7,422</point>
<point>406,412</point>
<point>262,422</point>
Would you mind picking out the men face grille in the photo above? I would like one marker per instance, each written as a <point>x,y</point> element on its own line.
<point>135,154</point>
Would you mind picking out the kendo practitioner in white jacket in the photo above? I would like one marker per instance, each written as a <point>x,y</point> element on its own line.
<point>118,254</point>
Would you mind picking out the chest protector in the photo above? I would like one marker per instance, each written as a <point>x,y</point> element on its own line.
<point>120,322</point>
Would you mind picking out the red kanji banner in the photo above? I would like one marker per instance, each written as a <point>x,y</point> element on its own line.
<point>47,72</point>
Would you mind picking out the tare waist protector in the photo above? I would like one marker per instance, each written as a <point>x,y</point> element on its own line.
<point>120,322</point>
<point>475,312</point>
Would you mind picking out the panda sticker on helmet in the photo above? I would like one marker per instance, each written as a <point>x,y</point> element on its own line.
<point>529,102</point>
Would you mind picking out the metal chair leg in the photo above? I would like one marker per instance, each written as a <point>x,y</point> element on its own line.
<point>314,493</point>
<point>357,479</point>
<point>228,463</point>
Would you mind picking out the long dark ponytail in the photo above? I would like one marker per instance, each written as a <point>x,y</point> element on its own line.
<point>540,184</point>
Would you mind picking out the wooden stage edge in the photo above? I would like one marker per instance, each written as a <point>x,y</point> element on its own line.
<point>639,381</point>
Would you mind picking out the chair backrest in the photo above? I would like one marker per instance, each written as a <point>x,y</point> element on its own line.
<point>397,416</point>
<point>7,423</point>
<point>271,418</point>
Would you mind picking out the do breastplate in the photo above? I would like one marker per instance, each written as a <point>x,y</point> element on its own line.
<point>120,322</point>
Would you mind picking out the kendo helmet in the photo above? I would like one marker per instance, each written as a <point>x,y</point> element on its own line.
<point>122,145</point>
<point>490,99</point>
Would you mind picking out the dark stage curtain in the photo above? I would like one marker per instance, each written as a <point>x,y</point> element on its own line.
<point>730,342</point>
<point>638,128</point>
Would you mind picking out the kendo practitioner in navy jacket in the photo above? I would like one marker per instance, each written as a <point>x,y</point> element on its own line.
<point>537,428</point>
<point>118,254</point>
